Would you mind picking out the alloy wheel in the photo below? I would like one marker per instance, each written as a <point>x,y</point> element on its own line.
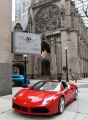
<point>61,105</point>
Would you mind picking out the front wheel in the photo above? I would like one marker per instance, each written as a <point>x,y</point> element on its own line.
<point>61,105</point>
<point>19,84</point>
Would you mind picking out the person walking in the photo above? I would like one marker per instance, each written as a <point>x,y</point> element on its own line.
<point>72,75</point>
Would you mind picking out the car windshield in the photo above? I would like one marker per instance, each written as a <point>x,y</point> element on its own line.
<point>15,76</point>
<point>48,86</point>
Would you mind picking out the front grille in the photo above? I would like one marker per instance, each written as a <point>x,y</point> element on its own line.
<point>39,110</point>
<point>24,109</point>
<point>16,106</point>
<point>34,110</point>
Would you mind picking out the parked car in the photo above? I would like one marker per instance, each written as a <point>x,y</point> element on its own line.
<point>18,80</point>
<point>45,97</point>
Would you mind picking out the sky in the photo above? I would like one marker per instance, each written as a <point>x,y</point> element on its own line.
<point>13,10</point>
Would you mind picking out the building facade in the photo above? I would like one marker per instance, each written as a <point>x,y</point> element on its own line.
<point>60,26</point>
<point>5,47</point>
<point>21,9</point>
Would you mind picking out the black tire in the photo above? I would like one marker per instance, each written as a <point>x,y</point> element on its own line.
<point>19,84</point>
<point>61,105</point>
<point>76,94</point>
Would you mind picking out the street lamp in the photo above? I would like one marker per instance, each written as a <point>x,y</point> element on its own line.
<point>25,82</point>
<point>67,80</point>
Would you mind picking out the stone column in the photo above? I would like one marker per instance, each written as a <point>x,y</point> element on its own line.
<point>28,64</point>
<point>83,60</point>
<point>31,23</point>
<point>82,68</point>
<point>58,56</point>
<point>5,47</point>
<point>40,68</point>
<point>86,68</point>
<point>52,66</point>
<point>64,44</point>
<point>36,67</point>
<point>31,19</point>
<point>74,58</point>
<point>82,54</point>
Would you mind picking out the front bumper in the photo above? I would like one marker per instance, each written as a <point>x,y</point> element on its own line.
<point>36,110</point>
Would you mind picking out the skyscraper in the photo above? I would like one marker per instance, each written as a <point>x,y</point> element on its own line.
<point>21,9</point>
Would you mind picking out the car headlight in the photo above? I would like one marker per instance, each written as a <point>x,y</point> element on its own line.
<point>46,101</point>
<point>15,96</point>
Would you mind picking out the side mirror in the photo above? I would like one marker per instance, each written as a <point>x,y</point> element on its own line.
<point>72,87</point>
<point>29,87</point>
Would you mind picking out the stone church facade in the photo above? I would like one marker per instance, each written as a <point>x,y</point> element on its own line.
<point>60,26</point>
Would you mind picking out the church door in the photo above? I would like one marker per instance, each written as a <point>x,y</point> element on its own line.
<point>45,67</point>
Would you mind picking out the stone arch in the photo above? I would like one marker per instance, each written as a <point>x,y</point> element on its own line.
<point>45,46</point>
<point>19,67</point>
<point>45,67</point>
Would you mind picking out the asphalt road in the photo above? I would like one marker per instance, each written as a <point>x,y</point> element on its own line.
<point>77,110</point>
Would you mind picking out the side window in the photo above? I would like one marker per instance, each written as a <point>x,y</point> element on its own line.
<point>64,84</point>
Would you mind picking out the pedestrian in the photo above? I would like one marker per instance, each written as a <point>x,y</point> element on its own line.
<point>72,75</point>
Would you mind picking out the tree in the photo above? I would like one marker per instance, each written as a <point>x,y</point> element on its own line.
<point>84,5</point>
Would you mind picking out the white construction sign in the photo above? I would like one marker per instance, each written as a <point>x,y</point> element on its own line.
<point>26,43</point>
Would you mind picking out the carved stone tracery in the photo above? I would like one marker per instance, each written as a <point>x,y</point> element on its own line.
<point>62,12</point>
<point>73,17</point>
<point>18,27</point>
<point>48,18</point>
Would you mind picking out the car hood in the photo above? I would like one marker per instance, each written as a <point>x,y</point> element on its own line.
<point>35,96</point>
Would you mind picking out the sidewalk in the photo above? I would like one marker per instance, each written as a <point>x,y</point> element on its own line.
<point>83,81</point>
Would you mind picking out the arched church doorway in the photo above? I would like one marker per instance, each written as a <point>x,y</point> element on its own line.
<point>18,68</point>
<point>45,47</point>
<point>45,67</point>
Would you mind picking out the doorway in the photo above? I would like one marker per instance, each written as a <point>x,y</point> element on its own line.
<point>45,67</point>
<point>18,68</point>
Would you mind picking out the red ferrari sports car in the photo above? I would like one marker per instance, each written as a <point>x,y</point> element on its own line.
<point>45,97</point>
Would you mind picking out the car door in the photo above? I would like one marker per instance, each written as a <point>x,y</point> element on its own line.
<point>73,89</point>
<point>67,92</point>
